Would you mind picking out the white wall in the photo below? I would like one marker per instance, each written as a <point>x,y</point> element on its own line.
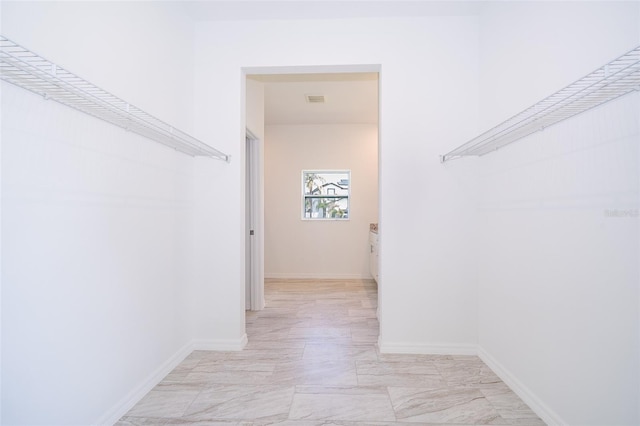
<point>118,252</point>
<point>296,248</point>
<point>429,71</point>
<point>255,107</point>
<point>558,279</point>
<point>428,105</point>
<point>97,223</point>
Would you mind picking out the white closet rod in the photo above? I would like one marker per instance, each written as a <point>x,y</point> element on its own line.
<point>612,80</point>
<point>26,69</point>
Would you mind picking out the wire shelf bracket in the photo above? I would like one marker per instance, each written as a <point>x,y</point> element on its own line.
<point>617,78</point>
<point>30,71</point>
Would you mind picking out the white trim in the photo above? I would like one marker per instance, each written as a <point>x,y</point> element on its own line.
<point>314,69</point>
<point>257,212</point>
<point>543,411</point>
<point>549,416</point>
<point>132,398</point>
<point>427,348</point>
<point>304,195</point>
<point>315,276</point>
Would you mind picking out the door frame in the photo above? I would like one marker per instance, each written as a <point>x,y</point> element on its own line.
<point>314,69</point>
<point>254,156</point>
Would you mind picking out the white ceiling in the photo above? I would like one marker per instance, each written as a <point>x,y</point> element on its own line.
<point>349,98</point>
<point>221,10</point>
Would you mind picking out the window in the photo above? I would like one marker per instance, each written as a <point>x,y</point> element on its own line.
<point>325,194</point>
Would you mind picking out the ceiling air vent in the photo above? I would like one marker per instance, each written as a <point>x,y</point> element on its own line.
<point>314,99</point>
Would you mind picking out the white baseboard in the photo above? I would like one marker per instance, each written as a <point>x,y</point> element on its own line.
<point>315,276</point>
<point>133,397</point>
<point>543,411</point>
<point>549,416</point>
<point>427,348</point>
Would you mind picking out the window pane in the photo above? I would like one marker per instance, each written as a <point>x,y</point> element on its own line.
<point>326,194</point>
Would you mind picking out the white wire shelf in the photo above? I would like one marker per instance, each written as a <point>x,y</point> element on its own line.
<point>615,79</point>
<point>26,69</point>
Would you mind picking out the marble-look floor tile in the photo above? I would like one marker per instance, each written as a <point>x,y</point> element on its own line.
<point>340,301</point>
<point>362,322</point>
<point>164,403</point>
<point>364,335</point>
<point>407,380</point>
<point>381,367</point>
<point>206,378</point>
<point>285,303</point>
<point>257,355</point>
<point>354,404</point>
<point>328,321</point>
<point>195,422</point>
<point>312,360</point>
<point>462,406</point>
<point>537,421</point>
<point>238,402</point>
<point>316,372</point>
<point>141,421</point>
<point>189,362</point>
<point>509,405</point>
<point>324,314</point>
<point>199,354</point>
<point>470,373</point>
<point>362,313</point>
<point>375,373</point>
<point>273,323</point>
<point>323,333</point>
<point>269,336</point>
<point>330,423</point>
<point>273,326</point>
<point>158,421</point>
<point>412,358</point>
<point>283,312</point>
<point>184,368</point>
<point>339,352</point>
<point>234,365</point>
<point>342,390</point>
<point>274,345</point>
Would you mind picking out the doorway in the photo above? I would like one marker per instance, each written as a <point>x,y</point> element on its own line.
<point>301,254</point>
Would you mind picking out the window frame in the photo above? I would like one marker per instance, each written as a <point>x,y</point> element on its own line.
<point>305,196</point>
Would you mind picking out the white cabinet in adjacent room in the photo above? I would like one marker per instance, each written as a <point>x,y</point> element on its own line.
<point>373,251</point>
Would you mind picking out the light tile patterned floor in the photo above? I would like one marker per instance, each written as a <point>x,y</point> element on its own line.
<point>312,360</point>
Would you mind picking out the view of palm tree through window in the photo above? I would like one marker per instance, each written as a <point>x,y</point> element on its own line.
<point>325,194</point>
